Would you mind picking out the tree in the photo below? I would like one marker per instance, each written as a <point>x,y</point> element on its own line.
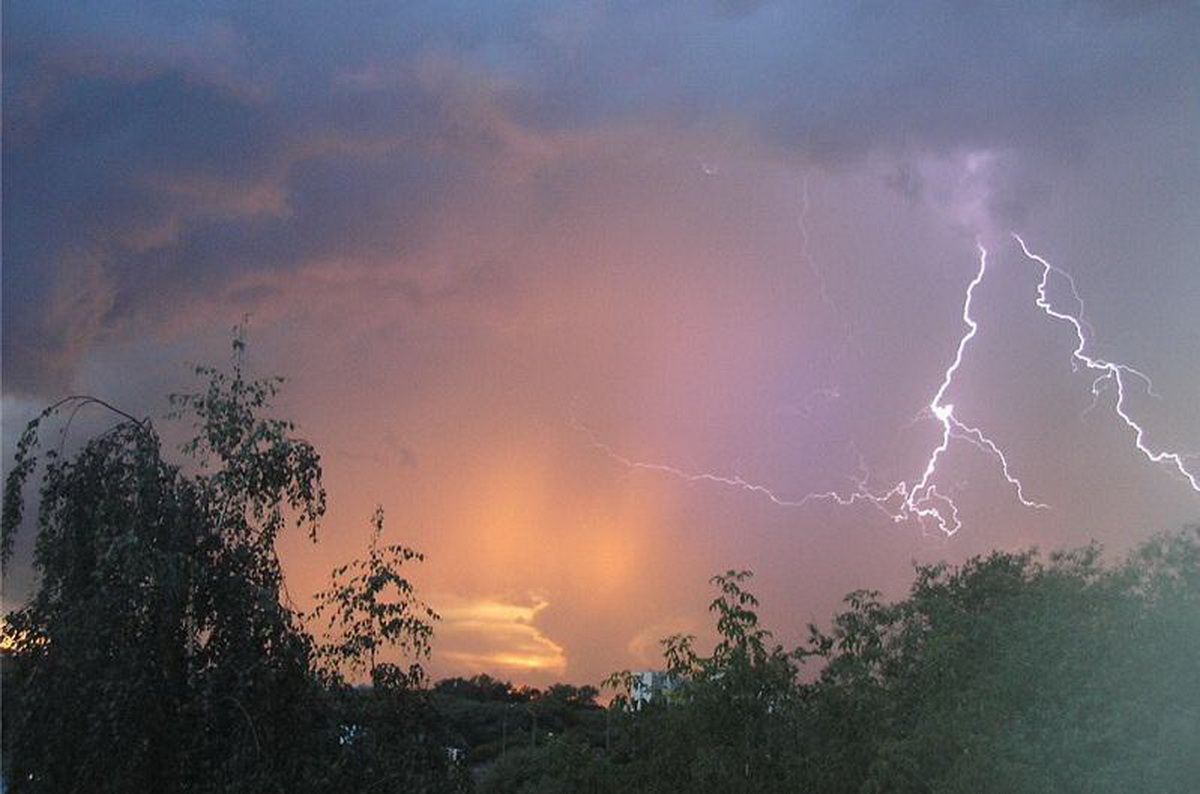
<point>365,621</point>
<point>1007,673</point>
<point>159,651</point>
<point>728,724</point>
<point>482,687</point>
<point>1011,674</point>
<point>389,734</point>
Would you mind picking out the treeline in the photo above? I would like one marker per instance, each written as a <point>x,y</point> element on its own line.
<point>486,719</point>
<point>1007,674</point>
<point>160,652</point>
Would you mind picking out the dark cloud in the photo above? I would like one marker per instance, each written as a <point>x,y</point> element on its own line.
<point>156,153</point>
<point>728,236</point>
<point>130,189</point>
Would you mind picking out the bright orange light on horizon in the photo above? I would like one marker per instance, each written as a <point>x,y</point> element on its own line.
<point>481,635</point>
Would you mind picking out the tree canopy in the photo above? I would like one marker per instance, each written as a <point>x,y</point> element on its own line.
<point>1007,673</point>
<point>159,650</point>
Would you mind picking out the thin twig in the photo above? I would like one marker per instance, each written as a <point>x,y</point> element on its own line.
<point>253,730</point>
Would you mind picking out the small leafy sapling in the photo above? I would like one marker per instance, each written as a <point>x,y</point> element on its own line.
<point>370,607</point>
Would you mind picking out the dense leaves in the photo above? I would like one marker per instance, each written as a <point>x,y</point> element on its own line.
<point>1008,674</point>
<point>159,651</point>
<point>493,721</point>
<point>1005,674</point>
<point>727,724</point>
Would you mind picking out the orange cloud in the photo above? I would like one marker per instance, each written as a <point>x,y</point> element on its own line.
<point>486,634</point>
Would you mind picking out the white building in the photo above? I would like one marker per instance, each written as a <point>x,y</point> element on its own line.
<point>650,685</point>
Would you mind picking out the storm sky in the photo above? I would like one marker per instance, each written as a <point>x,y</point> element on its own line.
<point>500,250</point>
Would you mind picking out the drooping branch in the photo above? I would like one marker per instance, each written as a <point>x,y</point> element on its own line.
<point>87,399</point>
<point>25,461</point>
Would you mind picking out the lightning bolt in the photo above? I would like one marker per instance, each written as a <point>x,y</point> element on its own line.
<point>849,342</point>
<point>733,481</point>
<point>802,226</point>
<point>1110,374</point>
<point>922,500</point>
<point>919,501</point>
<point>818,274</point>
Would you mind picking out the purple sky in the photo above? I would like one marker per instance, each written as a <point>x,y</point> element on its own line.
<point>728,238</point>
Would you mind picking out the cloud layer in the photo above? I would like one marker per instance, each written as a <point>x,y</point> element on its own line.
<point>154,158</point>
<point>727,236</point>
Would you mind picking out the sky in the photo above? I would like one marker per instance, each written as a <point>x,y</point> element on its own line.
<point>589,294</point>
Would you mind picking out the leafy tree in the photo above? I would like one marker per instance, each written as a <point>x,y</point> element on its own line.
<point>491,719</point>
<point>388,733</point>
<point>482,687</point>
<point>727,725</point>
<point>1008,673</point>
<point>365,621</point>
<point>159,651</point>
<point>563,763</point>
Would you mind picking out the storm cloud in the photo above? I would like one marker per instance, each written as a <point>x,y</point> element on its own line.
<point>727,236</point>
<point>154,156</point>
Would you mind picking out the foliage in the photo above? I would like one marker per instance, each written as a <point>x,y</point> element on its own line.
<point>365,621</point>
<point>159,651</point>
<point>1009,674</point>
<point>728,723</point>
<point>1005,674</point>
<point>561,764</point>
<point>389,732</point>
<point>491,719</point>
<point>484,688</point>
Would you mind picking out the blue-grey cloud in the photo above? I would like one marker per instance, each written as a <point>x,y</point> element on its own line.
<point>151,153</point>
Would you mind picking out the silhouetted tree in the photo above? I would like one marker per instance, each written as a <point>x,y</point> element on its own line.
<point>1004,674</point>
<point>159,651</point>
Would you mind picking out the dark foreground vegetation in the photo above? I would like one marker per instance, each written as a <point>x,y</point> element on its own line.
<point>160,652</point>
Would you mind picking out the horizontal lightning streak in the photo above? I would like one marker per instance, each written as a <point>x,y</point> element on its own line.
<point>920,501</point>
<point>735,481</point>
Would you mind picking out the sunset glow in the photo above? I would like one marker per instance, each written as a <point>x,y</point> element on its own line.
<point>503,636</point>
<point>600,299</point>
